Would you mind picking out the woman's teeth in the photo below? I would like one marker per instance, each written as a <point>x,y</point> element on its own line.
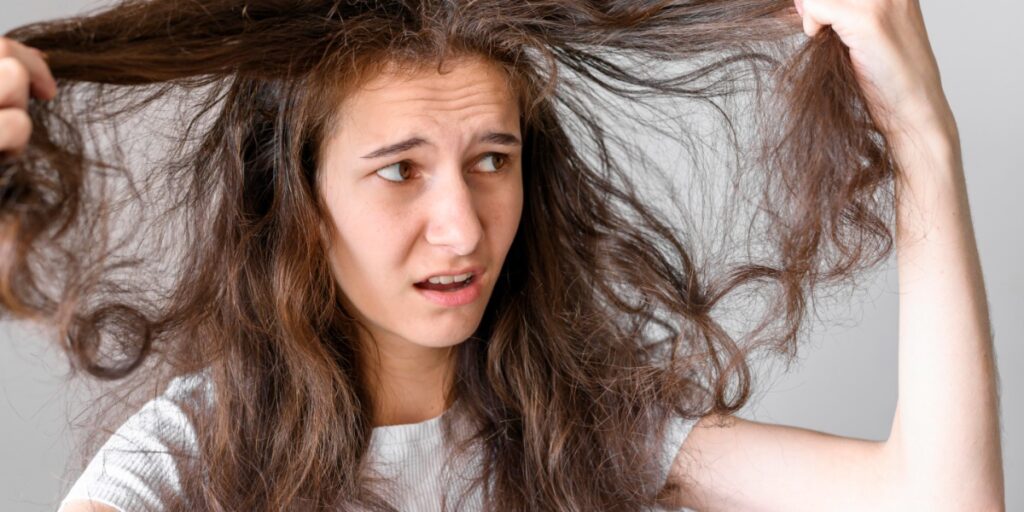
<point>449,279</point>
<point>439,284</point>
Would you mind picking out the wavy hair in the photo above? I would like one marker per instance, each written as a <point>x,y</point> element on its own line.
<point>608,315</point>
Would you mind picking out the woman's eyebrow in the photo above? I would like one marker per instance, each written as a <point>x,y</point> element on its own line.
<point>502,138</point>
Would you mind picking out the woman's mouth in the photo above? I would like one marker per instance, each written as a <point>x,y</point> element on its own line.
<point>427,285</point>
<point>451,294</point>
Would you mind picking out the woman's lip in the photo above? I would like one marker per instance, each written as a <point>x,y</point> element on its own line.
<point>454,298</point>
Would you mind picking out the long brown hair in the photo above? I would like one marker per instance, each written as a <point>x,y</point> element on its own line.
<point>608,315</point>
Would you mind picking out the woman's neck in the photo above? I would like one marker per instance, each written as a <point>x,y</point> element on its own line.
<point>408,383</point>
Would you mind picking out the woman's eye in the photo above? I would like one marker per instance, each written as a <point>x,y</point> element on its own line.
<point>499,160</point>
<point>399,172</point>
<point>393,172</point>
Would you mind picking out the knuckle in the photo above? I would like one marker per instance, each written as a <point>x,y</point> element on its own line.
<point>13,69</point>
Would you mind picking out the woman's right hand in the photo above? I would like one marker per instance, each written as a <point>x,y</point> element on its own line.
<point>23,70</point>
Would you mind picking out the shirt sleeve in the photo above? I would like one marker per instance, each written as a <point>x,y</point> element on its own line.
<point>140,461</point>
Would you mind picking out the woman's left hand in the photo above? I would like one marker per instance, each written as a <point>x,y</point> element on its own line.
<point>893,60</point>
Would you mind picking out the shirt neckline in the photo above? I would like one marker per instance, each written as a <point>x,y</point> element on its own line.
<point>428,429</point>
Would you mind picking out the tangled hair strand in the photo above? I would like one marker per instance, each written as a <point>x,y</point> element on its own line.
<point>605,320</point>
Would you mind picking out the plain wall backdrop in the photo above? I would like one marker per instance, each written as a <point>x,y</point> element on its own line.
<point>845,382</point>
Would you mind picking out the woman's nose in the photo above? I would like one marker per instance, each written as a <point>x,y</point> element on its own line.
<point>453,219</point>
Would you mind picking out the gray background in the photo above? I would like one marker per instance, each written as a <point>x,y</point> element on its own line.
<point>845,382</point>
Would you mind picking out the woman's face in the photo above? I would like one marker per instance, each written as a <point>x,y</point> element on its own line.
<point>422,177</point>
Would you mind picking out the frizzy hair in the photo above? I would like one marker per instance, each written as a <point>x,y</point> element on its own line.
<point>603,323</point>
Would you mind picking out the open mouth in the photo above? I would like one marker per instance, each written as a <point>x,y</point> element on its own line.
<point>450,287</point>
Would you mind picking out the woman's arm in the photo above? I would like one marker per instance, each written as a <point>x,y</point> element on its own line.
<point>944,450</point>
<point>945,438</point>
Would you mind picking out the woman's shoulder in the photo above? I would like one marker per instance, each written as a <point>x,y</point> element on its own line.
<point>165,420</point>
<point>142,460</point>
<point>198,385</point>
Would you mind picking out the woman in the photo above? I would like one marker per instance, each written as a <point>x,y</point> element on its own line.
<point>404,286</point>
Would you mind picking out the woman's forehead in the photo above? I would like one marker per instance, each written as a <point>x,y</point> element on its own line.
<point>465,81</point>
<point>471,91</point>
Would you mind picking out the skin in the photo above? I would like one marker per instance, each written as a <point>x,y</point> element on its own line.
<point>452,211</point>
<point>944,450</point>
<point>456,204</point>
<point>23,71</point>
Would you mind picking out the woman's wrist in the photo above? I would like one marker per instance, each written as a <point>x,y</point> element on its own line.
<point>926,139</point>
<point>927,124</point>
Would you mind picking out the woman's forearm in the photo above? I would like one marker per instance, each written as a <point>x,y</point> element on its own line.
<point>945,437</point>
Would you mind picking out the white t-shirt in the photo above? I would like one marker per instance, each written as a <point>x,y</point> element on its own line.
<point>134,467</point>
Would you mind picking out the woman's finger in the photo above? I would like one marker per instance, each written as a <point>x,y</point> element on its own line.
<point>811,27</point>
<point>820,13</point>
<point>14,83</point>
<point>15,128</point>
<point>41,81</point>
